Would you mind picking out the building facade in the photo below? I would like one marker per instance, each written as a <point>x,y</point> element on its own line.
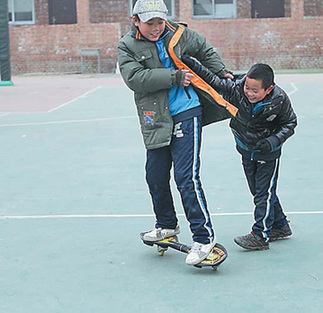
<point>52,35</point>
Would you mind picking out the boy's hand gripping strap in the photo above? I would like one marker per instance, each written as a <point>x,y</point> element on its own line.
<point>196,80</point>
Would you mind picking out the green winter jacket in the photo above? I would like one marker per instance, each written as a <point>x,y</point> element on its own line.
<point>143,72</point>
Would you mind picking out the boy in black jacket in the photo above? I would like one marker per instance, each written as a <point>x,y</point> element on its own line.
<point>265,120</point>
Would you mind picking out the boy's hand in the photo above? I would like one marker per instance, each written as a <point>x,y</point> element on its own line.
<point>263,145</point>
<point>183,78</point>
<point>228,75</point>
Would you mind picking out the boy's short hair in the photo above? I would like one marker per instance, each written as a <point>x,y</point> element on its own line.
<point>262,72</point>
<point>148,9</point>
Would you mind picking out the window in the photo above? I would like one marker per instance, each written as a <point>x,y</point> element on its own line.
<point>170,4</point>
<point>214,8</point>
<point>62,12</point>
<point>267,8</point>
<point>21,11</point>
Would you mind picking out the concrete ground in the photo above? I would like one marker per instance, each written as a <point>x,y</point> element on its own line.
<point>74,200</point>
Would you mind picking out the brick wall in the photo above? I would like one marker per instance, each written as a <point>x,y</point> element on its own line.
<point>285,43</point>
<point>313,8</point>
<point>243,8</point>
<point>41,12</point>
<point>113,11</point>
<point>57,48</point>
<point>293,42</point>
<point>269,41</point>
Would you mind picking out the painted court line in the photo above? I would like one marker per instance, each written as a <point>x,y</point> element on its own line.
<point>295,89</point>
<point>5,114</point>
<point>79,97</point>
<point>30,217</point>
<point>68,121</point>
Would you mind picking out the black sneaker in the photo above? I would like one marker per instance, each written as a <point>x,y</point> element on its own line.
<point>281,232</point>
<point>252,242</point>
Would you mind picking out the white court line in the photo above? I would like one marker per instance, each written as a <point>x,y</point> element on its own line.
<point>30,217</point>
<point>69,121</point>
<point>79,97</point>
<point>5,114</point>
<point>293,91</point>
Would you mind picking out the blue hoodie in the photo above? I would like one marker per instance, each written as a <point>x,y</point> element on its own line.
<point>178,99</point>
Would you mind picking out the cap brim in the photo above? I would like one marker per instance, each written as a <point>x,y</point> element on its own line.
<point>145,17</point>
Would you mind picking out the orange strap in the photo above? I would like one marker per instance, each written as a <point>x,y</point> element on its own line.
<point>196,80</point>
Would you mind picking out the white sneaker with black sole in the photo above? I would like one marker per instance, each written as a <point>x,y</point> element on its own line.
<point>199,252</point>
<point>158,234</point>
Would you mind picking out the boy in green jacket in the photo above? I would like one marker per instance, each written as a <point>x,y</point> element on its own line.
<point>171,114</point>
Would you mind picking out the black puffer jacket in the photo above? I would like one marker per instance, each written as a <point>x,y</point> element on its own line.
<point>274,121</point>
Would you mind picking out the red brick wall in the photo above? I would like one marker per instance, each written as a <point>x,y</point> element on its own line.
<point>57,48</point>
<point>293,42</point>
<point>243,8</point>
<point>285,43</point>
<point>313,8</point>
<point>108,11</point>
<point>266,41</point>
<point>41,12</point>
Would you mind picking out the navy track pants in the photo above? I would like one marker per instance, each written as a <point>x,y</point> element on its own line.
<point>262,177</point>
<point>184,154</point>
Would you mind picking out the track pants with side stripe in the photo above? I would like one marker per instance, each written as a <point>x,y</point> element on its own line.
<point>262,177</point>
<point>184,154</point>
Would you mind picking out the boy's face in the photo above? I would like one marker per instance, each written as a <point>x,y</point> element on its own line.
<point>152,29</point>
<point>254,91</point>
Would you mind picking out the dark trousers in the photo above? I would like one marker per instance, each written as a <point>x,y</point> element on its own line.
<point>184,154</point>
<point>262,177</point>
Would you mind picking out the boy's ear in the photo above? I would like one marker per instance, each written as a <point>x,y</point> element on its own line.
<point>269,89</point>
<point>135,20</point>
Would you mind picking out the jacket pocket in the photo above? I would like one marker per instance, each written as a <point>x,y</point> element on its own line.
<point>149,113</point>
<point>143,56</point>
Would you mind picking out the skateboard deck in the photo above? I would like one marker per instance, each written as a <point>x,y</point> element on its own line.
<point>217,255</point>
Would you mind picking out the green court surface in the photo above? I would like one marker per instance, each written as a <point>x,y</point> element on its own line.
<point>74,200</point>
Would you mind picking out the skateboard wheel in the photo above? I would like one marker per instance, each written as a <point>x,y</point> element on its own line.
<point>161,251</point>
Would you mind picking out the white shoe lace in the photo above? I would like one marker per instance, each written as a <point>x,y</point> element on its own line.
<point>156,232</point>
<point>196,247</point>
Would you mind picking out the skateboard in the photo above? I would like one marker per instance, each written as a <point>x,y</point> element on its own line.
<point>217,255</point>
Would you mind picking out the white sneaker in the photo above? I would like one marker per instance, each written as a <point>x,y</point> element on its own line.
<point>160,233</point>
<point>199,252</point>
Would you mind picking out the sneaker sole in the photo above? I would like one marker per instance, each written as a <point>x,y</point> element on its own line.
<point>279,238</point>
<point>252,248</point>
<point>156,240</point>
